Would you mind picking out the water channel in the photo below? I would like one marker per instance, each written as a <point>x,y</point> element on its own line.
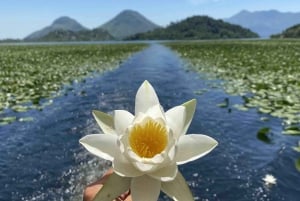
<point>42,160</point>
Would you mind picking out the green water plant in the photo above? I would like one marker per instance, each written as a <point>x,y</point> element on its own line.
<point>297,162</point>
<point>263,134</point>
<point>265,73</point>
<point>30,73</point>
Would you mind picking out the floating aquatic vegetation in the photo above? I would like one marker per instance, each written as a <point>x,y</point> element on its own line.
<point>269,179</point>
<point>7,120</point>
<point>292,130</point>
<point>31,73</point>
<point>297,148</point>
<point>224,104</point>
<point>26,119</point>
<point>263,134</point>
<point>200,92</point>
<point>264,119</point>
<point>241,107</point>
<point>297,164</point>
<point>266,73</point>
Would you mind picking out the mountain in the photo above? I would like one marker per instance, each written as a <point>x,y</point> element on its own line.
<point>292,32</point>
<point>265,23</point>
<point>196,27</point>
<point>97,34</point>
<point>62,23</point>
<point>128,23</point>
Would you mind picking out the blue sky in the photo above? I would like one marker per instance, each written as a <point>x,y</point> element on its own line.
<point>18,18</point>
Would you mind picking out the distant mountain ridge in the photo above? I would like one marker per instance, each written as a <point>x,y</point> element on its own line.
<point>63,23</point>
<point>128,23</point>
<point>265,23</point>
<point>195,28</point>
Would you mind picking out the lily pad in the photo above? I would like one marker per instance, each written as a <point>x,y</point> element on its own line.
<point>297,164</point>
<point>264,119</point>
<point>7,120</point>
<point>241,107</point>
<point>224,104</point>
<point>19,108</point>
<point>200,92</point>
<point>293,130</point>
<point>26,119</point>
<point>263,134</point>
<point>297,149</point>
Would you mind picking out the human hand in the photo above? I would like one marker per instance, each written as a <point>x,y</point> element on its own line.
<point>91,190</point>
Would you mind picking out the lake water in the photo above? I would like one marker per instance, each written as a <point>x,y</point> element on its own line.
<point>42,160</point>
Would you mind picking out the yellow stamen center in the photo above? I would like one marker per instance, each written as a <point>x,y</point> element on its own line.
<point>148,138</point>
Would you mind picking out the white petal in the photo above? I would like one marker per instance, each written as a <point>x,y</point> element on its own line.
<point>101,145</point>
<point>123,143</point>
<point>114,186</point>
<point>176,120</point>
<point>190,108</point>
<point>145,167</point>
<point>145,164</point>
<point>192,147</point>
<point>132,155</point>
<point>122,119</point>
<point>156,112</point>
<point>158,158</point>
<point>167,173</point>
<point>105,121</point>
<point>145,188</point>
<point>145,98</point>
<point>138,118</point>
<point>124,168</point>
<point>172,153</point>
<point>177,189</point>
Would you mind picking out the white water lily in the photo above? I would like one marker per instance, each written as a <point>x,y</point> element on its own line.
<point>269,179</point>
<point>146,148</point>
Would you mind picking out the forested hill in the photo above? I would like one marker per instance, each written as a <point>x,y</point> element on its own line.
<point>292,32</point>
<point>196,27</point>
<point>97,34</point>
<point>128,23</point>
<point>62,24</point>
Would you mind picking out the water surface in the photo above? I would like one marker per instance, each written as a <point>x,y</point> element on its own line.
<point>42,160</point>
